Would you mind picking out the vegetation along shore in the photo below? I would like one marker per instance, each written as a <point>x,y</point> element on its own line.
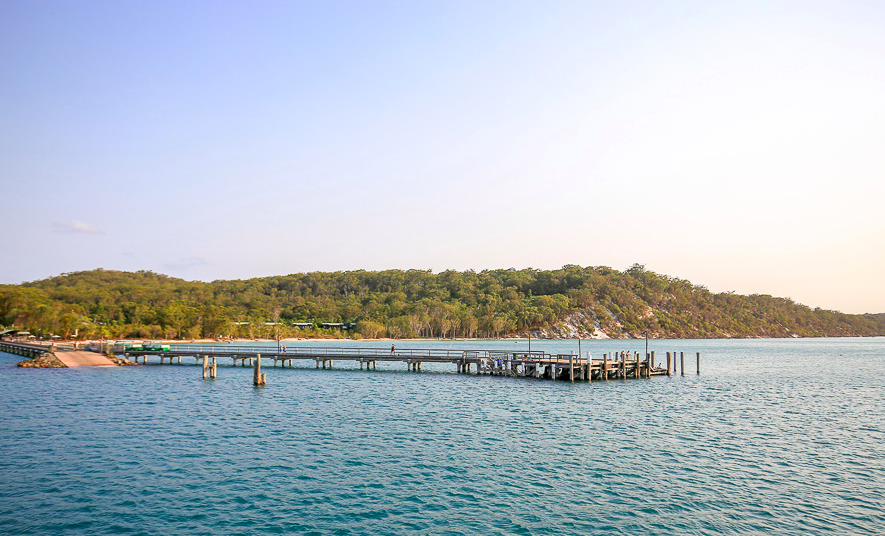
<point>574,301</point>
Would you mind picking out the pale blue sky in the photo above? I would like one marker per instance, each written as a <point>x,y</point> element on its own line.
<point>735,144</point>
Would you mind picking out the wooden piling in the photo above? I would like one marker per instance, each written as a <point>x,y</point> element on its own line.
<point>213,372</point>
<point>605,367</point>
<point>571,368</point>
<point>699,363</point>
<point>682,363</point>
<point>258,378</point>
<point>205,367</point>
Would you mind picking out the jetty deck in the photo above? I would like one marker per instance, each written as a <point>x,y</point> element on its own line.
<point>536,364</point>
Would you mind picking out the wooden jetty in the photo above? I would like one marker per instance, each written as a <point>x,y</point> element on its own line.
<point>522,364</point>
<point>25,349</point>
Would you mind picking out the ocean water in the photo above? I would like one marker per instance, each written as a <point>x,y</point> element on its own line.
<point>773,437</point>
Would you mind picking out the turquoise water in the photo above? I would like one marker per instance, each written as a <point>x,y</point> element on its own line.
<point>774,437</point>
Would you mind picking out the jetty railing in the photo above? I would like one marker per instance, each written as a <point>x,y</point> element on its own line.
<point>340,352</point>
<point>24,349</point>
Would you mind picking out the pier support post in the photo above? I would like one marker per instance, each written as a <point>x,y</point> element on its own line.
<point>258,378</point>
<point>205,367</point>
<point>682,363</point>
<point>699,363</point>
<point>605,367</point>
<point>213,372</point>
<point>668,363</point>
<point>571,368</point>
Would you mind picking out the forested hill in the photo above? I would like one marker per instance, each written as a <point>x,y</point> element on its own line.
<point>570,302</point>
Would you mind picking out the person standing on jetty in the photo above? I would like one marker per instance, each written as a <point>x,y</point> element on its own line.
<point>392,349</point>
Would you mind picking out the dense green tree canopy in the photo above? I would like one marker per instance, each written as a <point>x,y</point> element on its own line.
<point>568,302</point>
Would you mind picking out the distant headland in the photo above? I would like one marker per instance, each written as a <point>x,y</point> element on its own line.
<point>571,302</point>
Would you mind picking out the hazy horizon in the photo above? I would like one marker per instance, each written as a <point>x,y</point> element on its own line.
<point>736,145</point>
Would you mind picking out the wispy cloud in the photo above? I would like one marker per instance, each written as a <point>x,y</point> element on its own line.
<point>75,227</point>
<point>187,262</point>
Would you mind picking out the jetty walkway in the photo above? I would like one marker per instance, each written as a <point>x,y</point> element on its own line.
<point>535,364</point>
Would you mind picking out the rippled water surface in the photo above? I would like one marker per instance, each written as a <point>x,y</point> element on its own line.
<point>774,437</point>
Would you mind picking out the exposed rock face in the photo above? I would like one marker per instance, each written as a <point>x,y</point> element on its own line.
<point>47,360</point>
<point>579,324</point>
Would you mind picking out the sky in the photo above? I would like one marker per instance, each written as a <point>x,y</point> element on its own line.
<point>738,145</point>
